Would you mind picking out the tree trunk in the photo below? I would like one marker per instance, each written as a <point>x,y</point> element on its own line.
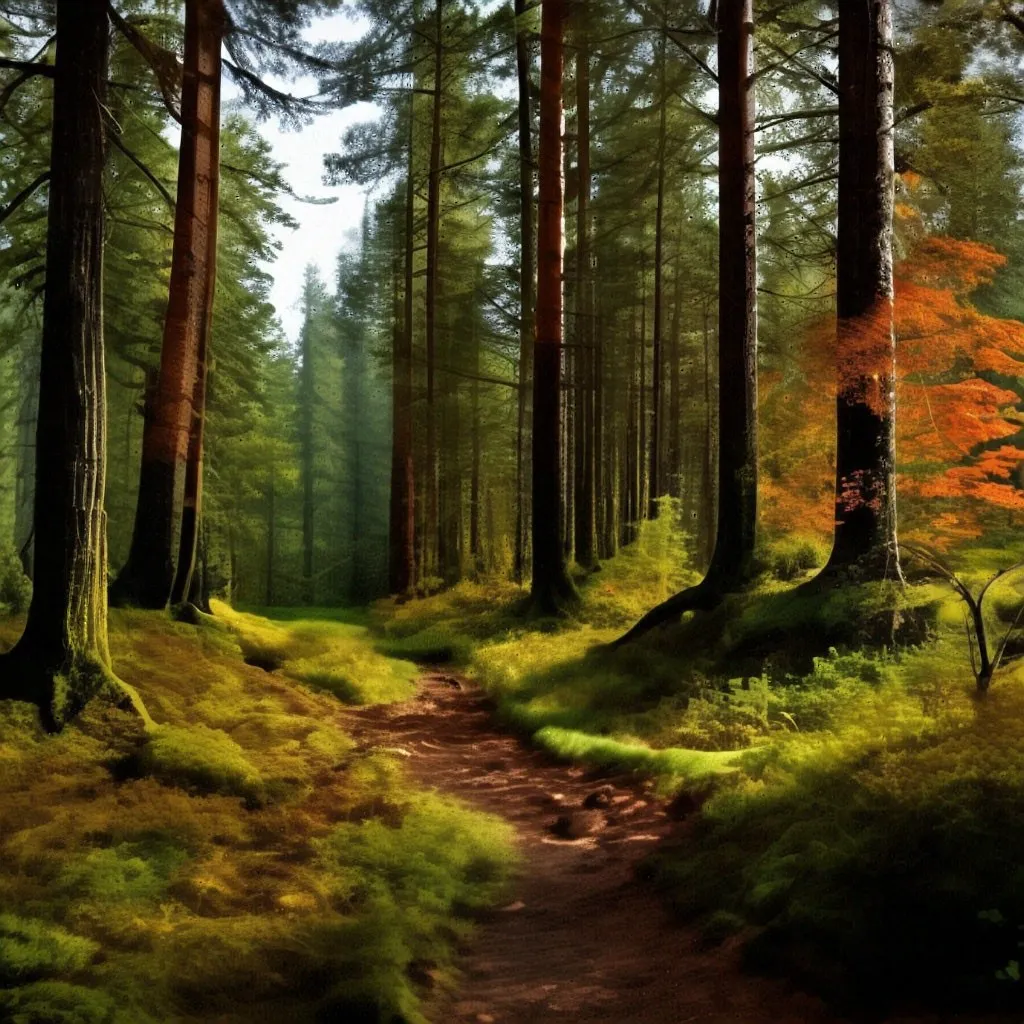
<point>641,446</point>
<point>476,552</point>
<point>675,458</point>
<point>735,536</point>
<point>551,588</point>
<point>62,659</point>
<point>585,539</point>
<point>434,541</point>
<point>211,27</point>
<point>402,533</point>
<point>732,563</point>
<point>307,450</point>
<point>654,474</point>
<point>526,283</point>
<point>865,534</point>
<point>269,595</point>
<point>148,576</point>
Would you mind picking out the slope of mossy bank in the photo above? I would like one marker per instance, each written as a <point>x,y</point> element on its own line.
<point>242,861</point>
<point>862,814</point>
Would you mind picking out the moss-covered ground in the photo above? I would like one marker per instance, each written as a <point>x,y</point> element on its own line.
<point>242,860</point>
<point>861,820</point>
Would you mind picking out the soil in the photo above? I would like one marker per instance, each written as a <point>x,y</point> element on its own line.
<point>582,938</point>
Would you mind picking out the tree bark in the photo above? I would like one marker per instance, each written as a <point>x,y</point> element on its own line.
<point>211,27</point>
<point>307,451</point>
<point>585,538</point>
<point>675,456</point>
<point>526,283</point>
<point>148,575</point>
<point>733,560</point>
<point>865,535</point>
<point>402,532</point>
<point>269,594</point>
<point>735,536</point>
<point>654,474</point>
<point>62,659</point>
<point>434,540</point>
<point>551,589</point>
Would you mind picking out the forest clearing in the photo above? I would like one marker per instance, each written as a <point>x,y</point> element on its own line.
<point>511,511</point>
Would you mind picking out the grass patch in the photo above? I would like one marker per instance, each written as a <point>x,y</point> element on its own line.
<point>333,654</point>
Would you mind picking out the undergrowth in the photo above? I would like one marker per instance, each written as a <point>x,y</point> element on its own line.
<point>865,827</point>
<point>242,860</point>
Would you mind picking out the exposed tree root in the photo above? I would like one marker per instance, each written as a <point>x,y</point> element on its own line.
<point>703,597</point>
<point>60,692</point>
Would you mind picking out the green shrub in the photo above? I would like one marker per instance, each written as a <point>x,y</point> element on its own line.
<point>200,758</point>
<point>31,950</point>
<point>15,586</point>
<point>56,1002</point>
<point>793,556</point>
<point>134,873</point>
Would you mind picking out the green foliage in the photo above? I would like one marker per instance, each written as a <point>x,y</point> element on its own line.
<point>792,557</point>
<point>31,950</point>
<point>15,586</point>
<point>407,900</point>
<point>205,759</point>
<point>56,1002</point>
<point>127,873</point>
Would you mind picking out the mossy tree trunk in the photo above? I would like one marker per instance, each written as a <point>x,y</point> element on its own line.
<point>865,535</point>
<point>148,576</point>
<point>62,660</point>
<point>551,590</point>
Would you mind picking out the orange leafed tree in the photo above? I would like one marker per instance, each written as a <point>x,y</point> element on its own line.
<point>958,387</point>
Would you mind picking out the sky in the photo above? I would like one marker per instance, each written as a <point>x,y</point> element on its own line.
<point>322,230</point>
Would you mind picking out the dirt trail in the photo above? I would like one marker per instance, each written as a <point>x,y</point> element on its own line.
<point>581,940</point>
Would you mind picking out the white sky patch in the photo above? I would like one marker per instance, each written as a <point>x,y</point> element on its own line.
<point>322,230</point>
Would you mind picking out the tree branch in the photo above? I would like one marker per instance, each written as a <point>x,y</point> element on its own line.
<point>23,196</point>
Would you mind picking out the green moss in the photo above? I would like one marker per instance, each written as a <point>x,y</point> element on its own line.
<point>402,903</point>
<point>132,873</point>
<point>56,1002</point>
<point>200,758</point>
<point>31,950</point>
<point>674,763</point>
<point>433,645</point>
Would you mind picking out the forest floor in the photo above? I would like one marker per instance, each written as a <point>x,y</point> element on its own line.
<point>584,938</point>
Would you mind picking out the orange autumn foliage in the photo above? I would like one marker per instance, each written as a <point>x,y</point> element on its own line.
<point>956,409</point>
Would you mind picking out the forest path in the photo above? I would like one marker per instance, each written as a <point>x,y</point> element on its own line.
<point>581,939</point>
